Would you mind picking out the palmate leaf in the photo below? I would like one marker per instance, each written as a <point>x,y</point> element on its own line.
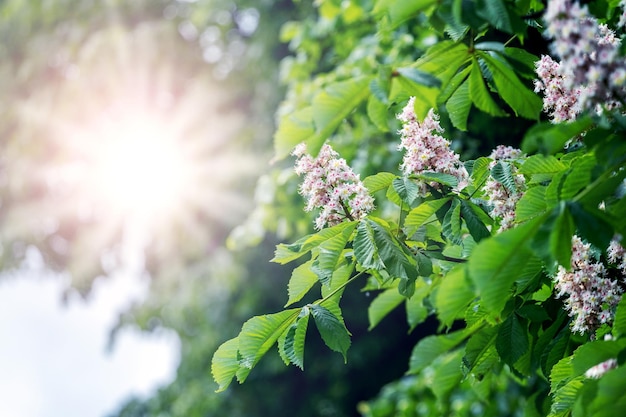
<point>521,99</point>
<point>578,177</point>
<point>331,327</point>
<point>564,398</point>
<point>225,363</point>
<point>419,77</point>
<point>542,164</point>
<point>416,310</point>
<point>549,138</point>
<point>610,399</point>
<point>444,59</point>
<point>398,12</point>
<point>497,262</point>
<point>619,323</point>
<point>383,304</point>
<point>561,236</point>
<point>532,204</point>
<point>339,278</point>
<point>259,334</point>
<point>332,106</point>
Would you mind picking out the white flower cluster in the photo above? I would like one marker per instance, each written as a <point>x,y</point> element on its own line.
<point>590,295</point>
<point>331,185</point>
<point>502,199</point>
<point>559,102</point>
<point>426,150</point>
<point>617,255</point>
<point>589,52</point>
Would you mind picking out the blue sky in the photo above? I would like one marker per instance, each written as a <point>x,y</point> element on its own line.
<point>53,357</point>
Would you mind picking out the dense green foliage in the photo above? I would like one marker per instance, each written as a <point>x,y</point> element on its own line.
<point>446,252</point>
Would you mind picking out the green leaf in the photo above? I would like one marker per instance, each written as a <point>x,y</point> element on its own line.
<point>495,12</point>
<point>416,311</point>
<point>502,173</point>
<point>480,352</point>
<point>330,252</point>
<point>407,189</point>
<point>377,182</point>
<point>522,100</point>
<point>619,323</point>
<point>431,347</point>
<point>564,398</point>
<point>561,237</point>
<point>480,95</point>
<point>549,138</point>
<point>333,105</point>
<point>610,400</point>
<point>399,12</point>
<point>339,278</point>
<point>541,164</point>
<point>382,305</point>
<point>365,249</point>
<point>441,178</point>
<point>451,226</point>
<point>496,263</point>
<point>293,129</point>
<point>294,340</point>
<point>301,281</point>
<point>591,225</point>
<point>532,204</point>
<point>225,363</point>
<point>332,329</point>
<point>512,340</point>
<point>453,296</point>
<point>447,375</point>
<point>378,113</point>
<point>578,177</point>
<point>459,105</point>
<point>419,77</point>
<point>444,59</point>
<point>475,225</point>
<point>259,334</point>
<point>420,214</point>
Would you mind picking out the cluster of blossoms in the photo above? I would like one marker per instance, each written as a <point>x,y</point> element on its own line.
<point>559,102</point>
<point>502,199</point>
<point>591,68</point>
<point>426,150</point>
<point>331,185</point>
<point>617,255</point>
<point>591,296</point>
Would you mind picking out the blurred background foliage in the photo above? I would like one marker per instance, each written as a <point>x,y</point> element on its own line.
<point>220,73</point>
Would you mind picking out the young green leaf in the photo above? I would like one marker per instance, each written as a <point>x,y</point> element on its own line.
<point>419,77</point>
<point>378,113</point>
<point>447,374</point>
<point>451,226</point>
<point>502,173</point>
<point>532,204</point>
<point>561,237</point>
<point>407,189</point>
<point>293,129</point>
<point>225,363</point>
<point>330,252</point>
<point>474,224</point>
<point>480,352</point>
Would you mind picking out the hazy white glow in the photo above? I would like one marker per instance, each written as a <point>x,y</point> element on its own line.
<point>141,169</point>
